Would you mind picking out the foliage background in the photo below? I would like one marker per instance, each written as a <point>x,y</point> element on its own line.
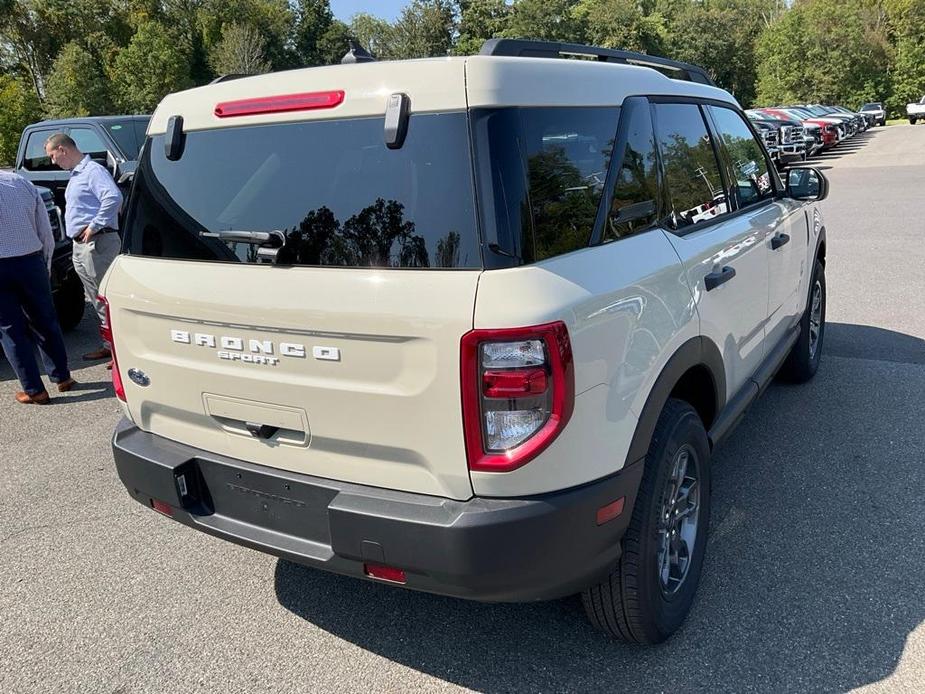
<point>62,58</point>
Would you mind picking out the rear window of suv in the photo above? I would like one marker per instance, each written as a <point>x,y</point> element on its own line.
<point>339,196</point>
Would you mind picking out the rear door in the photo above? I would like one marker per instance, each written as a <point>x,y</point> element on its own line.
<point>723,253</point>
<point>336,354</point>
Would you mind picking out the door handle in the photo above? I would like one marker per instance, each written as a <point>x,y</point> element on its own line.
<point>714,279</point>
<point>779,240</point>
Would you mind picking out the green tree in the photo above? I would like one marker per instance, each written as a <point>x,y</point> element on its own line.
<point>480,20</point>
<point>150,67</point>
<point>77,84</point>
<point>622,24</point>
<point>720,36</point>
<point>375,35</point>
<point>907,21</point>
<point>240,52</point>
<point>274,20</point>
<point>314,21</point>
<point>825,51</point>
<point>19,106</point>
<point>424,29</point>
<point>333,44</point>
<point>551,20</point>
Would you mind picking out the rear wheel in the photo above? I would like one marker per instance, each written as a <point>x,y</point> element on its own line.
<point>803,360</point>
<point>649,593</point>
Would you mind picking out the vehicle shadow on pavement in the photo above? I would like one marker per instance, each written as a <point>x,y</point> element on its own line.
<point>813,578</point>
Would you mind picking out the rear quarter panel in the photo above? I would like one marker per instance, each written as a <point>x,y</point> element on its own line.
<point>627,306</point>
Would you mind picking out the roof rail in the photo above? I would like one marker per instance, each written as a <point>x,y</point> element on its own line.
<point>523,48</point>
<point>228,78</point>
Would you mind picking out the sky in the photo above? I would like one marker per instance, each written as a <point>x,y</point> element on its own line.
<point>387,9</point>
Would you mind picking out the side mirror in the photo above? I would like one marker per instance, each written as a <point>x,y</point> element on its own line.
<point>126,172</point>
<point>806,183</point>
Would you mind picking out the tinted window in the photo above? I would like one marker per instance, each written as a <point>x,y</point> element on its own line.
<point>126,135</point>
<point>692,176</point>
<point>745,157</point>
<point>89,142</point>
<point>542,171</point>
<point>339,196</point>
<point>35,157</point>
<point>634,207</point>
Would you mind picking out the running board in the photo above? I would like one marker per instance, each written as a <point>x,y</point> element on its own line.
<point>738,405</point>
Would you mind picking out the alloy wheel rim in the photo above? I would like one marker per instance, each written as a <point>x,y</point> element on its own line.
<point>815,319</point>
<point>679,518</point>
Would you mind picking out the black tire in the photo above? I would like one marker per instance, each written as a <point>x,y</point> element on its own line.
<point>70,303</point>
<point>803,360</point>
<point>632,603</point>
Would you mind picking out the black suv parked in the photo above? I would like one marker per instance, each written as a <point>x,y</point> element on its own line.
<point>66,288</point>
<point>113,141</point>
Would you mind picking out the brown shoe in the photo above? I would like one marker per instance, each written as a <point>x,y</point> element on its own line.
<point>101,353</point>
<point>109,365</point>
<point>65,386</point>
<point>36,399</point>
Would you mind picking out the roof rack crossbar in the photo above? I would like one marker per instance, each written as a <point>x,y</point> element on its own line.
<point>523,48</point>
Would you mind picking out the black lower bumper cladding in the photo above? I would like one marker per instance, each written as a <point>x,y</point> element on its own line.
<point>489,549</point>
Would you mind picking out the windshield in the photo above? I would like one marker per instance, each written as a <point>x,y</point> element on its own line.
<point>871,107</point>
<point>338,195</point>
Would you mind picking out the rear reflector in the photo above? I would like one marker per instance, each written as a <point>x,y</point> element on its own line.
<point>610,511</point>
<point>514,383</point>
<point>279,104</point>
<point>162,507</point>
<point>384,573</point>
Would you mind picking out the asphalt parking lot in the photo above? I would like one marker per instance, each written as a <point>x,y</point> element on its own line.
<point>814,578</point>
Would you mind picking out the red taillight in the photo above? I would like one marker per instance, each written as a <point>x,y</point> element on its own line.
<point>384,573</point>
<point>106,334</point>
<point>518,391</point>
<point>515,383</point>
<point>162,507</point>
<point>279,104</point>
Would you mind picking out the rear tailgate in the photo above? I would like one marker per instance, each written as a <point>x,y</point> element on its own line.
<point>354,373</point>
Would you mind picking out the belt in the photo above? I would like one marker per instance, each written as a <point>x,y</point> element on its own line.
<point>104,230</point>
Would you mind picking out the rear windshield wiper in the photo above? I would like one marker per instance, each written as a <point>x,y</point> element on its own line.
<point>274,238</point>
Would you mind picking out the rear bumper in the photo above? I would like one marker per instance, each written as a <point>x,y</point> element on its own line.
<point>533,548</point>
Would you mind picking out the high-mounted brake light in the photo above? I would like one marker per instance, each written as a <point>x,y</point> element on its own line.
<point>279,104</point>
<point>106,334</point>
<point>518,391</point>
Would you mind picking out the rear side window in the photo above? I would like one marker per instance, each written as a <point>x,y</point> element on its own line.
<point>692,175</point>
<point>745,160</point>
<point>541,173</point>
<point>35,157</point>
<point>634,205</point>
<point>89,142</point>
<point>126,136</point>
<point>331,189</point>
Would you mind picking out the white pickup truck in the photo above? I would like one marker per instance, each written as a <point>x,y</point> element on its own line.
<point>916,111</point>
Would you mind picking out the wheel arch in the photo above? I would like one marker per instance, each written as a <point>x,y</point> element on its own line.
<point>695,374</point>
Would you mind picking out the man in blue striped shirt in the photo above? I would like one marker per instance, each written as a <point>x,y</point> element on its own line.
<point>27,311</point>
<point>91,219</point>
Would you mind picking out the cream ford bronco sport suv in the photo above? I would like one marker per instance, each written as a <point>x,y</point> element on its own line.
<point>470,325</point>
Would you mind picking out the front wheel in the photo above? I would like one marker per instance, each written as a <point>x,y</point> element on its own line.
<point>650,591</point>
<point>803,360</point>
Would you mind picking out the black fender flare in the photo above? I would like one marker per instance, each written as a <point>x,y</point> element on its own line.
<point>697,351</point>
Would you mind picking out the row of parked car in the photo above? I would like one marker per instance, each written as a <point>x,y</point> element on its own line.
<point>795,133</point>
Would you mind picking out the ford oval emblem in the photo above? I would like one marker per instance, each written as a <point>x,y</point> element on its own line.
<point>139,377</point>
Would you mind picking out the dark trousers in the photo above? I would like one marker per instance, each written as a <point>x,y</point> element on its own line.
<point>28,319</point>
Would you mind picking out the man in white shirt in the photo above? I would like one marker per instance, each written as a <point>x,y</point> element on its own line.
<point>91,219</point>
<point>27,311</point>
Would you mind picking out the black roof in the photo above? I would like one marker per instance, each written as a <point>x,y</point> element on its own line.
<point>85,119</point>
